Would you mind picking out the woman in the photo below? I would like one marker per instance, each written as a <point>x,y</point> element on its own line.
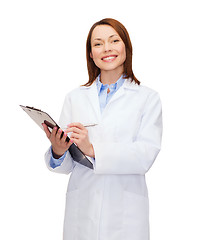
<point>109,202</point>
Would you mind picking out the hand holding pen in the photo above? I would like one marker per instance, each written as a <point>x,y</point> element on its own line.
<point>79,136</point>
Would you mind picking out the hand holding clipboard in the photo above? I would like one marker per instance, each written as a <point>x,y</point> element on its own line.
<point>41,117</point>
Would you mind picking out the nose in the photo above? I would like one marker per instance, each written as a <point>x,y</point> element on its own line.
<point>107,47</point>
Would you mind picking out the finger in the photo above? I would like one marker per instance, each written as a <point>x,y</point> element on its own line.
<point>54,131</point>
<point>73,140</point>
<point>63,139</point>
<point>58,134</point>
<point>75,135</point>
<point>76,124</point>
<point>46,129</point>
<point>74,129</point>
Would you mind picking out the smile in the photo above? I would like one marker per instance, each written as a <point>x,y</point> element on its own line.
<point>109,58</point>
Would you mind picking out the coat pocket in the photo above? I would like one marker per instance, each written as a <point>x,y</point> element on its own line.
<point>136,216</point>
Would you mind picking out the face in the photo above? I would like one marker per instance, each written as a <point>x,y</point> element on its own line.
<point>107,49</point>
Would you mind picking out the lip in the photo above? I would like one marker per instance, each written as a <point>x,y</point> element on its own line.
<point>109,58</point>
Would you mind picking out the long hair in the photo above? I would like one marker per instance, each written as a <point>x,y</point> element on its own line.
<point>93,70</point>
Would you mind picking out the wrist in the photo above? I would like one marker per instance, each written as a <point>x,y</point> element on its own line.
<point>56,154</point>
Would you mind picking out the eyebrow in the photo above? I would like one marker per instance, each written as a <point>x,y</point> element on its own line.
<point>109,37</point>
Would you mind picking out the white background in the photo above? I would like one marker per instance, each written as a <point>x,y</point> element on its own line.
<point>42,57</point>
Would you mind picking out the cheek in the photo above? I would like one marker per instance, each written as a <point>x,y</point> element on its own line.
<point>95,56</point>
<point>123,52</point>
<point>94,53</point>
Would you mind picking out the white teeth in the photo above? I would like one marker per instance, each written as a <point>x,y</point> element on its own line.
<point>108,58</point>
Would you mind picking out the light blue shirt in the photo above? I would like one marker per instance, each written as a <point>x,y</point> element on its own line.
<point>104,98</point>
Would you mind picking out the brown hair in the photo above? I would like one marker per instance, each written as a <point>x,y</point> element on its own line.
<point>93,70</point>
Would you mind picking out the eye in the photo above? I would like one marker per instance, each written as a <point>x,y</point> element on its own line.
<point>116,41</point>
<point>97,44</point>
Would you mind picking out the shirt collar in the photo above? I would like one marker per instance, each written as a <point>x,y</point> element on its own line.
<point>114,86</point>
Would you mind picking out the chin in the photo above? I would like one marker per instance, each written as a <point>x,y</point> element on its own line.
<point>112,68</point>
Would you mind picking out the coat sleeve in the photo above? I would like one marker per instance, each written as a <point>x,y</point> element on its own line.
<point>133,157</point>
<point>68,164</point>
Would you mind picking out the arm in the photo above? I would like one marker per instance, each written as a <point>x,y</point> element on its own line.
<point>133,157</point>
<point>65,167</point>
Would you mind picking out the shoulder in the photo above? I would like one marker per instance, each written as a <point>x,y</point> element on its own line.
<point>141,89</point>
<point>152,99</point>
<point>75,91</point>
<point>148,91</point>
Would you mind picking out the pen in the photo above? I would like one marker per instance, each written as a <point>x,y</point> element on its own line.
<point>90,125</point>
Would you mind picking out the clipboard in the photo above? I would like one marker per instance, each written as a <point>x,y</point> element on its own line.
<point>40,117</point>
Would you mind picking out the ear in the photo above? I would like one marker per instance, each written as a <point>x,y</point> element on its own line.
<point>91,55</point>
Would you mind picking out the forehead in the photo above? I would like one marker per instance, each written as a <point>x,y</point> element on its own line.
<point>103,32</point>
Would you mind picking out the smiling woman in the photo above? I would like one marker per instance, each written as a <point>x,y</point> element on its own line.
<point>108,52</point>
<point>110,201</point>
<point>115,37</point>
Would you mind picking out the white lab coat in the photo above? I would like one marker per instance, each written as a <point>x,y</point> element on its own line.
<point>111,201</point>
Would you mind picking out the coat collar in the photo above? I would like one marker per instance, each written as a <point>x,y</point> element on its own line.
<point>92,94</point>
<point>127,84</point>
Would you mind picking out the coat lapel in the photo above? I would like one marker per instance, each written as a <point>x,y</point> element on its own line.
<point>92,96</point>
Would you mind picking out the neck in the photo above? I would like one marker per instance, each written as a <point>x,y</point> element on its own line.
<point>110,77</point>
